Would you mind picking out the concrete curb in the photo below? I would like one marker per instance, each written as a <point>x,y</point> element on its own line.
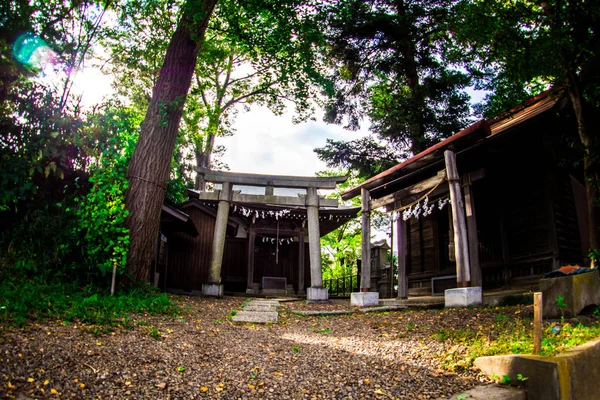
<point>491,392</point>
<point>572,375</point>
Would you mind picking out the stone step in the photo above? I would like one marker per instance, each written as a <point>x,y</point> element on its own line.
<point>276,292</point>
<point>261,317</point>
<point>274,303</point>
<point>260,307</point>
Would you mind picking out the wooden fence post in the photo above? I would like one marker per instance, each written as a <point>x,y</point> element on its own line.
<point>537,322</point>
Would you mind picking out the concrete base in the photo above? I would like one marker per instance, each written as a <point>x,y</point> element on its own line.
<point>364,299</point>
<point>578,291</point>
<point>212,289</point>
<point>492,392</point>
<point>317,294</point>
<point>572,375</point>
<point>463,297</point>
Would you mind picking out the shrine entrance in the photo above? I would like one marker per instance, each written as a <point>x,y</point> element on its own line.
<point>279,215</point>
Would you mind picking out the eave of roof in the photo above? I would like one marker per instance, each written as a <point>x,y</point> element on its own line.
<point>516,115</point>
<point>184,224</point>
<point>481,126</point>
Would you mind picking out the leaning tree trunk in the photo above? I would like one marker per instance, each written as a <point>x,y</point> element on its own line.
<point>151,161</point>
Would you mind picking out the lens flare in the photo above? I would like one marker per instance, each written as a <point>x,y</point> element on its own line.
<point>32,51</point>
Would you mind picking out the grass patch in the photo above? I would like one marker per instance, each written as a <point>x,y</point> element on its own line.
<point>25,301</point>
<point>503,335</point>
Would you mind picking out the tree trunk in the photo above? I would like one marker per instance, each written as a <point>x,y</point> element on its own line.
<point>589,166</point>
<point>202,161</point>
<point>409,64</point>
<point>151,161</point>
<point>204,157</point>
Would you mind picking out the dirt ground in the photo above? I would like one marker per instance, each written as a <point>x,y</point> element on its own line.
<point>202,354</point>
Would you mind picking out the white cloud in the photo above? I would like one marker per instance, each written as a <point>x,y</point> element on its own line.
<point>265,143</point>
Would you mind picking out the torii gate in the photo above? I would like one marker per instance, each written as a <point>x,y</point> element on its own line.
<point>312,201</point>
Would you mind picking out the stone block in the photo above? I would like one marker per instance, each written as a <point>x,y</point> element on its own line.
<point>578,291</point>
<point>567,376</point>
<point>492,392</point>
<point>463,297</point>
<point>212,289</point>
<point>364,299</point>
<point>317,294</point>
<point>256,317</point>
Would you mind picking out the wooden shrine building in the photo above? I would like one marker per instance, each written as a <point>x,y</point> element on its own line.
<point>518,202</point>
<point>257,234</point>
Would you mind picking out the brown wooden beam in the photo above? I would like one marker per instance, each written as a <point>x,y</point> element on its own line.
<point>443,188</point>
<point>417,188</point>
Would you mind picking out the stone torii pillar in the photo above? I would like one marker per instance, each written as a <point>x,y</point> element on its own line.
<point>214,286</point>
<point>316,291</point>
<point>365,297</point>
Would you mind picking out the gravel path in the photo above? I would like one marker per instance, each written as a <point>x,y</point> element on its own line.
<point>202,354</point>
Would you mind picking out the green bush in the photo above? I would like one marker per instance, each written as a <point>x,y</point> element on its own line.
<point>35,300</point>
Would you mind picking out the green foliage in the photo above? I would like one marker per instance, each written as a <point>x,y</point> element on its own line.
<point>594,254</point>
<point>342,246</point>
<point>35,300</point>
<point>392,65</point>
<point>101,213</point>
<point>560,303</point>
<point>154,333</point>
<point>296,348</point>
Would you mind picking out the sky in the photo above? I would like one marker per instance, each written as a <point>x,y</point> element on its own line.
<point>263,143</point>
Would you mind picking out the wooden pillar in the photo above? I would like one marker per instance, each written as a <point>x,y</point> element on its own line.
<point>461,247</point>
<point>391,276</point>
<point>401,240</point>
<point>214,274</point>
<point>476,278</point>
<point>301,263</point>
<point>314,237</point>
<point>251,244</point>
<point>365,277</point>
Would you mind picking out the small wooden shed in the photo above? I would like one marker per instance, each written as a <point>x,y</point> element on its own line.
<point>523,201</point>
<point>266,248</point>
